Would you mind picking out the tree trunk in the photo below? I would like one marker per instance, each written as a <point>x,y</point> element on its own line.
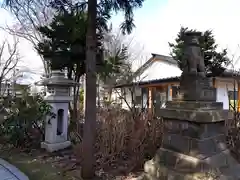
<point>98,94</point>
<point>110,94</point>
<point>76,99</point>
<point>88,165</point>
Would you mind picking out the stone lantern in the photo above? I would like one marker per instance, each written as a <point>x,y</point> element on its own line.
<point>58,96</point>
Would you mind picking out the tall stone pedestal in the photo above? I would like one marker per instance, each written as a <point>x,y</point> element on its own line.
<point>196,88</point>
<point>194,143</point>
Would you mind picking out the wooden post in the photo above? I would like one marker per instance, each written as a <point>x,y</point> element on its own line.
<point>238,98</point>
<point>214,82</point>
<point>150,100</point>
<point>169,93</point>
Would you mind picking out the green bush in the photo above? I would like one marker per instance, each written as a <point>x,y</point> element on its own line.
<point>23,124</point>
<point>231,103</point>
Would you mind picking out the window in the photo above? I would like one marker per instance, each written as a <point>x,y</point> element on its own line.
<point>144,98</point>
<point>175,91</point>
<point>231,95</point>
<point>60,114</point>
<point>50,90</point>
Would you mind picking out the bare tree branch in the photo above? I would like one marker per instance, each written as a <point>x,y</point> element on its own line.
<point>30,14</point>
<point>9,58</point>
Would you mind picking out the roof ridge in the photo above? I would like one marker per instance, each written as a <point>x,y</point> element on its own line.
<point>165,58</point>
<point>150,61</point>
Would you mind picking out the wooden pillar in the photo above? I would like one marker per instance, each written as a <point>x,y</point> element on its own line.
<point>169,92</point>
<point>214,82</point>
<point>150,100</point>
<point>238,98</point>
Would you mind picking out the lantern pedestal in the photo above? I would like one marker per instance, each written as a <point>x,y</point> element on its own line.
<point>58,96</point>
<point>51,147</point>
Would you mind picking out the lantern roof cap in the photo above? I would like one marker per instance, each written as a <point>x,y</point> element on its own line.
<point>57,78</point>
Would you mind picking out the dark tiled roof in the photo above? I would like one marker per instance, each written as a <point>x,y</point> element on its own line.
<point>170,60</point>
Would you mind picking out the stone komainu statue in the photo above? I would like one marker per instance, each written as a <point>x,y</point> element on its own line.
<point>193,60</point>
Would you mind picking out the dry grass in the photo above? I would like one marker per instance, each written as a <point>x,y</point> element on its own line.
<point>123,135</point>
<point>37,165</point>
<point>233,134</point>
<point>124,139</point>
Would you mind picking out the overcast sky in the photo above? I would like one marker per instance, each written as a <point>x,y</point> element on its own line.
<point>158,22</point>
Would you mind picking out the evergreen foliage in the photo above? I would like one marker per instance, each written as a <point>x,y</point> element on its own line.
<point>215,61</point>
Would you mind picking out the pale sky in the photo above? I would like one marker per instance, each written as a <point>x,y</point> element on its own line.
<point>159,21</point>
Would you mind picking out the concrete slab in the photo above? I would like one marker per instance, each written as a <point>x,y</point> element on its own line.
<point>10,172</point>
<point>5,174</point>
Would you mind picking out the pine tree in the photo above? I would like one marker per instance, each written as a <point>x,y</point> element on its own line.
<point>65,42</point>
<point>215,61</point>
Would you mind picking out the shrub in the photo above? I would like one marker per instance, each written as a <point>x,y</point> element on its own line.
<point>124,136</point>
<point>23,124</point>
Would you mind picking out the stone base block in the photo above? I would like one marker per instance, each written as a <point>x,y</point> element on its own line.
<point>199,94</point>
<point>196,88</point>
<point>195,111</point>
<point>167,165</point>
<point>191,105</point>
<point>51,147</point>
<point>200,116</point>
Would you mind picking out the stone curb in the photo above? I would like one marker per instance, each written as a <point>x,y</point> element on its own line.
<point>16,172</point>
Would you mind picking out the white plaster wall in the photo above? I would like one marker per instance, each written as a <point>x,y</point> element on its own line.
<point>159,70</point>
<point>127,101</point>
<point>222,96</point>
<point>118,94</point>
<point>224,85</point>
<point>128,98</point>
